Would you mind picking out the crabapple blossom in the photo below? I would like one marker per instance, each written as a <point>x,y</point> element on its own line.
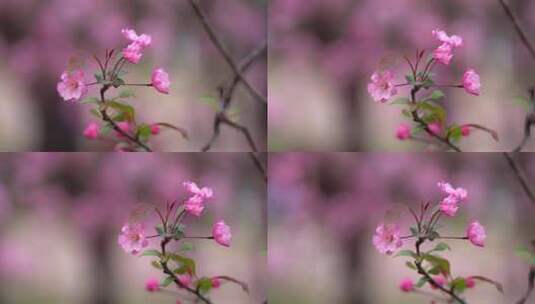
<point>440,280</point>
<point>471,82</point>
<point>453,40</point>
<point>204,192</point>
<point>476,233</point>
<point>155,129</point>
<point>152,285</point>
<point>132,238</point>
<point>195,204</point>
<point>465,130</point>
<point>435,128</point>
<point>123,126</point>
<point>134,51</point>
<point>387,238</point>
<point>443,54</point>
<point>222,234</point>
<point>92,130</point>
<point>449,205</point>
<point>72,86</point>
<point>184,279</point>
<point>381,87</point>
<point>216,283</point>
<point>470,282</point>
<point>403,131</point>
<point>160,81</point>
<point>406,285</point>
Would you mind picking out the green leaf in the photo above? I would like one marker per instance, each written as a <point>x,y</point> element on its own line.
<point>126,94</point>
<point>433,235</point>
<point>204,285</point>
<point>178,232</point>
<point>436,95</point>
<point>95,113</point>
<point>160,230</point>
<point>442,265</point>
<point>90,100</point>
<point>117,82</point>
<point>127,110</point>
<point>98,77</point>
<point>186,246</point>
<point>410,79</point>
<point>401,101</point>
<point>410,265</point>
<point>458,284</point>
<point>526,255</point>
<point>432,112</point>
<point>187,264</point>
<point>143,132</point>
<point>406,252</point>
<point>151,252</point>
<point>441,247</point>
<point>454,133</point>
<point>421,282</point>
<point>167,281</point>
<point>414,231</point>
<point>156,264</point>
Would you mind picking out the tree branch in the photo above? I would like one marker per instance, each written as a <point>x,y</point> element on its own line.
<point>520,176</point>
<point>219,45</point>
<point>518,28</point>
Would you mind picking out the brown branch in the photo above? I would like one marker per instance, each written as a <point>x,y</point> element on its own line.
<point>259,165</point>
<point>112,123</point>
<point>528,122</point>
<point>518,28</point>
<point>519,175</point>
<point>169,272</point>
<point>531,286</point>
<point>221,48</point>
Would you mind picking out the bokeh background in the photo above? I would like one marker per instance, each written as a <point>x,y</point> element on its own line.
<point>37,39</point>
<point>60,215</point>
<point>324,208</point>
<point>322,54</point>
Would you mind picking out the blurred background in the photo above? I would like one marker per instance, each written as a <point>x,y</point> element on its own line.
<point>324,208</point>
<point>61,213</point>
<point>322,54</point>
<point>37,39</point>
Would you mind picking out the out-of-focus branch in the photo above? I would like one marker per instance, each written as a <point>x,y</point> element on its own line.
<point>528,122</point>
<point>219,45</point>
<point>519,175</point>
<point>518,28</point>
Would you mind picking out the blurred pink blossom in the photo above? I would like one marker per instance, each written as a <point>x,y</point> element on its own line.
<point>476,233</point>
<point>132,238</point>
<point>387,238</point>
<point>222,234</point>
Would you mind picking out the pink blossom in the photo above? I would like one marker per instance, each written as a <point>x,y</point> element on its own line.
<point>222,234</point>
<point>185,279</point>
<point>123,126</point>
<point>403,131</point>
<point>72,86</point>
<point>134,51</point>
<point>465,130</point>
<point>476,233</point>
<point>216,282</point>
<point>92,130</point>
<point>160,81</point>
<point>453,40</point>
<point>471,82</point>
<point>406,285</point>
<point>155,129</point>
<point>440,280</point>
<point>195,204</point>
<point>470,282</point>
<point>381,87</point>
<point>387,238</point>
<point>443,54</point>
<point>132,238</point>
<point>449,205</point>
<point>435,128</point>
<point>152,285</point>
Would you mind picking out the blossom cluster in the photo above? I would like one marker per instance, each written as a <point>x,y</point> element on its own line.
<point>433,269</point>
<point>426,112</point>
<point>134,240</point>
<point>115,113</point>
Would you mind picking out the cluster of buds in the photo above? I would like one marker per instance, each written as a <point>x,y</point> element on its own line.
<point>426,112</point>
<point>434,270</point>
<point>115,113</point>
<point>178,268</point>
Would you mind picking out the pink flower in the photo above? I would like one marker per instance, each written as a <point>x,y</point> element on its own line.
<point>403,131</point>
<point>152,285</point>
<point>471,82</point>
<point>195,204</point>
<point>155,129</point>
<point>435,128</point>
<point>216,283</point>
<point>476,233</point>
<point>381,87</point>
<point>406,285</point>
<point>440,280</point>
<point>132,238</point>
<point>92,130</point>
<point>160,81</point>
<point>465,130</point>
<point>222,234</point>
<point>123,126</point>
<point>185,279</point>
<point>470,282</point>
<point>443,54</point>
<point>450,204</point>
<point>454,40</point>
<point>134,51</point>
<point>387,238</point>
<point>72,86</point>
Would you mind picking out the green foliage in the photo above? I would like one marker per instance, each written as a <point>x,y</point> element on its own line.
<point>526,254</point>
<point>151,252</point>
<point>439,264</point>
<point>117,82</point>
<point>166,281</point>
<point>440,247</point>
<point>435,95</point>
<point>126,94</point>
<point>458,285</point>
<point>401,101</point>
<point>143,132</point>
<point>410,265</point>
<point>125,112</point>
<point>406,252</point>
<point>421,282</point>
<point>99,78</point>
<point>160,230</point>
<point>90,100</point>
<point>431,112</point>
<point>187,265</point>
<point>156,264</point>
<point>204,285</point>
<point>454,133</point>
<point>186,246</point>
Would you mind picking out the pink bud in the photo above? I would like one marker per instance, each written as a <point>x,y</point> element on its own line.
<point>439,280</point>
<point>435,128</point>
<point>216,283</point>
<point>406,285</point>
<point>155,129</point>
<point>470,282</point>
<point>92,130</point>
<point>403,132</point>
<point>123,126</point>
<point>152,285</point>
<point>465,130</point>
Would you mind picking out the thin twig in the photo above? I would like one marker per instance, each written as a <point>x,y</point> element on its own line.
<point>219,45</point>
<point>520,176</point>
<point>258,164</point>
<point>518,28</point>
